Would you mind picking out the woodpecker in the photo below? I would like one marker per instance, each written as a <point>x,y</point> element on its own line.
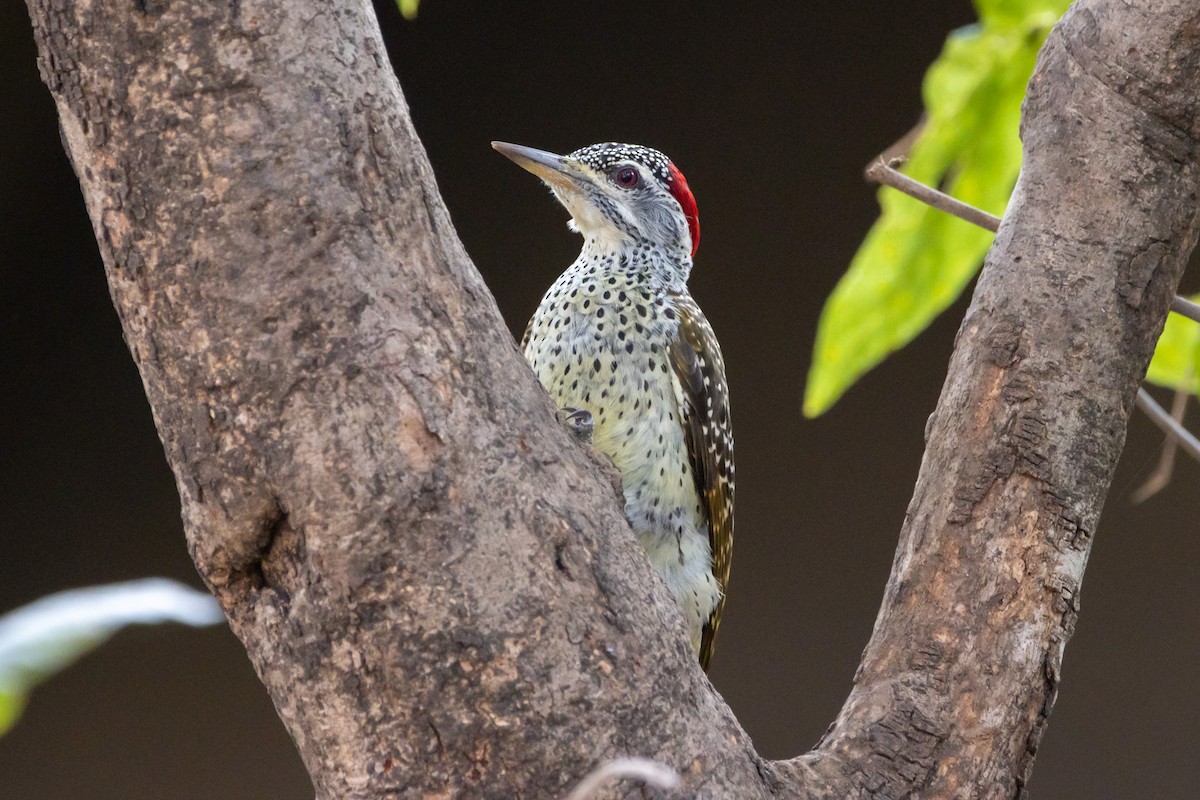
<point>618,336</point>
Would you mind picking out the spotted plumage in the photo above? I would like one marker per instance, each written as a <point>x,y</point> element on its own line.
<point>619,336</point>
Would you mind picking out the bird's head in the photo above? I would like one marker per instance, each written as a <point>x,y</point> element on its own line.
<point>618,194</point>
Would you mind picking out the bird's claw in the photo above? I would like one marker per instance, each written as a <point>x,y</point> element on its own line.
<point>579,422</point>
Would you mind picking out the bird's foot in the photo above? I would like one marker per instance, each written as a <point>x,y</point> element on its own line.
<point>579,422</point>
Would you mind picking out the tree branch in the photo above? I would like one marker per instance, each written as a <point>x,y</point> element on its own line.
<point>435,584</point>
<point>963,667</point>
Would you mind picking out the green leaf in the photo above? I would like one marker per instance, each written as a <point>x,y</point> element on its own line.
<point>408,8</point>
<point>1176,362</point>
<point>49,634</point>
<point>915,260</point>
<point>1016,12</point>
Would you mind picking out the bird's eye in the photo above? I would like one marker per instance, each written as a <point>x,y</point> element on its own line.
<point>628,177</point>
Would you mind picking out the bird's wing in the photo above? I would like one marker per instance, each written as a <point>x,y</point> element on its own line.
<point>696,359</point>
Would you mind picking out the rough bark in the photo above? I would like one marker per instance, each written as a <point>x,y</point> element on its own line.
<point>435,584</point>
<point>962,670</point>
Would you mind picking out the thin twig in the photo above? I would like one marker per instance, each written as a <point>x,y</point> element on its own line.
<point>1159,416</point>
<point>1186,308</point>
<point>643,769</point>
<point>1161,476</point>
<point>887,175</point>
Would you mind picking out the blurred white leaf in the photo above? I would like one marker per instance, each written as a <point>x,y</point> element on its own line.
<point>643,769</point>
<point>49,634</point>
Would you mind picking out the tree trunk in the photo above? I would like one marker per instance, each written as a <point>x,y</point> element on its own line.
<point>437,587</point>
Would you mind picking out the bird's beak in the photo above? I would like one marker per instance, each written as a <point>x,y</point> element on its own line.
<point>551,168</point>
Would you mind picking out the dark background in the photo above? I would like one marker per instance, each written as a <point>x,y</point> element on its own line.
<point>771,114</point>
